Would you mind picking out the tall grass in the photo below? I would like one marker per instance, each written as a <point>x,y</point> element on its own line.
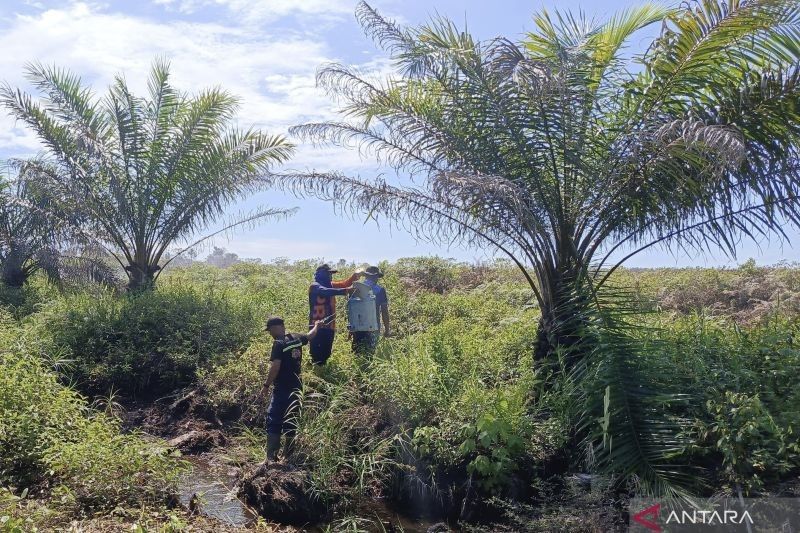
<point>453,400</point>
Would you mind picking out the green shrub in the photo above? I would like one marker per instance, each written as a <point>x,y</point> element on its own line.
<point>753,447</point>
<point>490,432</point>
<point>49,437</point>
<point>495,449</point>
<point>149,342</point>
<point>236,382</point>
<point>711,355</point>
<point>429,274</point>
<point>37,414</point>
<point>26,300</point>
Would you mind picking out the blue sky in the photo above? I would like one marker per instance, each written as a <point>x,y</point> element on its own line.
<point>267,52</point>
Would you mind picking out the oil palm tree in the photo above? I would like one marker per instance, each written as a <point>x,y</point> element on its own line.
<point>29,238</point>
<point>559,152</point>
<point>36,234</point>
<point>570,155</point>
<point>144,173</point>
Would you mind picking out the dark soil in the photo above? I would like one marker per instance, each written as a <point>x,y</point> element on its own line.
<point>278,492</point>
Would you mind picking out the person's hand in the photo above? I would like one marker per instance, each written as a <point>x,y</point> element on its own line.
<point>318,323</point>
<point>350,289</point>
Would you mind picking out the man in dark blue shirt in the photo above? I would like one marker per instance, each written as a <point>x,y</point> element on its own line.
<point>365,342</point>
<point>284,372</point>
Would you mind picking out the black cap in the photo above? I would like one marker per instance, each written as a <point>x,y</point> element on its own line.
<point>373,271</point>
<point>326,266</point>
<point>274,321</point>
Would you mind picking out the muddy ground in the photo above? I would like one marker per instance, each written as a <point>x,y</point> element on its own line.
<point>233,495</point>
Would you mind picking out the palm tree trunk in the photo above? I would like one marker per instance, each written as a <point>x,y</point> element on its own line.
<point>563,315</point>
<point>141,277</point>
<point>13,277</point>
<point>14,273</point>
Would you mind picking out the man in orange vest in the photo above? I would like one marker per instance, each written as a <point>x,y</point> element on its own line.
<point>322,306</point>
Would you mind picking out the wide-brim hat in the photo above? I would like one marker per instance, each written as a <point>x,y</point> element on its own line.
<point>373,271</point>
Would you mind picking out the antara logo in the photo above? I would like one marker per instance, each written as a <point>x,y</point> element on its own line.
<point>709,517</point>
<point>648,516</point>
<point>653,511</point>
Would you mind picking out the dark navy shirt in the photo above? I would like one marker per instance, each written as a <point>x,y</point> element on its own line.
<point>289,352</point>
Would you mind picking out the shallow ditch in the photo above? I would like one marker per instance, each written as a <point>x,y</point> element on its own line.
<point>210,488</point>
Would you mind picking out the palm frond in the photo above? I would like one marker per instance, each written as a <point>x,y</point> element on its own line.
<point>248,220</point>
<point>630,417</point>
<point>718,43</point>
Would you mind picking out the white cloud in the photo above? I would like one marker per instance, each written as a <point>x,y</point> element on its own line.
<point>256,12</point>
<point>272,74</point>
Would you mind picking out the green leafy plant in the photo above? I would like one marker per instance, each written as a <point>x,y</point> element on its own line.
<point>49,437</point>
<point>494,447</point>
<point>752,445</point>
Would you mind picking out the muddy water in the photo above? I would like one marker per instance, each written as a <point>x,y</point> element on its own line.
<point>215,488</point>
<point>384,518</point>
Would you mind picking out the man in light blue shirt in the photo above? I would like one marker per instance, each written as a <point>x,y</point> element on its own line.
<point>364,342</point>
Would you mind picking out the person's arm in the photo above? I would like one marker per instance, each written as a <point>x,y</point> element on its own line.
<point>345,284</point>
<point>383,309</point>
<point>331,291</point>
<point>313,332</point>
<point>274,368</point>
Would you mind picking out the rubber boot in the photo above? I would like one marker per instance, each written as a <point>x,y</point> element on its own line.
<point>273,446</point>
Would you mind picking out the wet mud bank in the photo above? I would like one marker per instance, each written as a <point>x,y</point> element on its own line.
<point>237,495</point>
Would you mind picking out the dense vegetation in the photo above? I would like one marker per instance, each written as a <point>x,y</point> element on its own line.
<point>446,410</point>
<point>569,154</point>
<point>567,146</point>
<point>556,379</point>
<point>56,445</point>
